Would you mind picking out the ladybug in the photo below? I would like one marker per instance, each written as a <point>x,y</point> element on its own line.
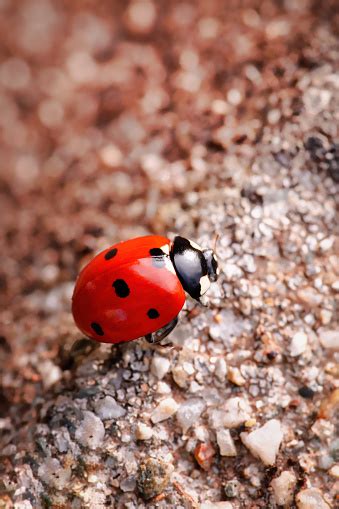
<point>137,288</point>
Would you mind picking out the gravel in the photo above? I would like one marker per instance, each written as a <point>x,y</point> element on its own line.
<point>114,123</point>
<point>264,442</point>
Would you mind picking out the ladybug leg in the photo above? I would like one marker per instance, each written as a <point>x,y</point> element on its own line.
<point>157,336</point>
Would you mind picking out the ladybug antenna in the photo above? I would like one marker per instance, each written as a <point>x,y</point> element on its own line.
<point>216,238</point>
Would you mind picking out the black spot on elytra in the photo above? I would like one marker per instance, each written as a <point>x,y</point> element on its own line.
<point>158,257</point>
<point>97,328</point>
<point>121,288</point>
<point>156,251</point>
<point>111,253</point>
<point>153,313</point>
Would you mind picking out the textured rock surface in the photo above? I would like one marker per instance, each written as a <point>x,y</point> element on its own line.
<point>120,119</point>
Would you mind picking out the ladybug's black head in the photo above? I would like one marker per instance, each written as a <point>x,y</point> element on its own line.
<point>195,268</point>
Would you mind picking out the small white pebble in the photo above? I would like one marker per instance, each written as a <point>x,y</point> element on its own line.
<point>111,155</point>
<point>220,369</point>
<point>108,408</point>
<point>326,244</point>
<point>166,408</point>
<point>235,412</point>
<point>283,487</point>
<point>298,344</point>
<point>329,339</point>
<point>160,366</point>
<point>50,373</point>
<point>163,388</point>
<point>225,443</point>
<point>234,376</point>
<point>143,432</point>
<point>91,431</point>
<point>234,96</point>
<point>334,471</point>
<point>264,442</point>
<point>325,316</point>
<point>189,412</point>
<point>52,473</point>
<point>311,498</point>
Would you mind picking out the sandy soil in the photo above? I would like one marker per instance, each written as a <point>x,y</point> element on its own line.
<point>120,119</point>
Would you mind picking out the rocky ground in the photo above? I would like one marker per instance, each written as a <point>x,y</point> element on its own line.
<point>199,118</point>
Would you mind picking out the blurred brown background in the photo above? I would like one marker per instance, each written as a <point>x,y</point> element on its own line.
<point>117,117</point>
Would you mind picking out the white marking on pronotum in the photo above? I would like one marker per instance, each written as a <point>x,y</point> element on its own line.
<point>204,284</point>
<point>193,244</point>
<point>169,266</point>
<point>165,249</point>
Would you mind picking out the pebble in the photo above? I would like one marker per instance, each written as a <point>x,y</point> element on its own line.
<point>163,388</point>
<point>166,408</point>
<point>325,316</point>
<point>234,376</point>
<point>50,373</point>
<point>283,487</point>
<point>143,432</point>
<point>91,431</point>
<point>232,488</point>
<point>311,498</point>
<point>309,297</point>
<point>52,473</point>
<point>236,411</point>
<point>128,484</point>
<point>329,339</point>
<point>108,408</point>
<point>225,443</point>
<point>298,344</point>
<point>160,366</point>
<point>204,454</point>
<point>189,412</point>
<point>180,376</point>
<point>326,244</point>
<point>264,442</point>
<point>220,369</point>
<point>111,155</point>
<point>153,477</point>
<point>334,471</point>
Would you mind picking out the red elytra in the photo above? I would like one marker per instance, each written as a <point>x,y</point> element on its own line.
<point>127,291</point>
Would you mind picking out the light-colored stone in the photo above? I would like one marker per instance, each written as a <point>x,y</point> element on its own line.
<point>283,487</point>
<point>311,498</point>
<point>329,339</point>
<point>108,408</point>
<point>298,344</point>
<point>264,442</point>
<point>334,471</point>
<point>91,431</point>
<point>235,412</point>
<point>143,432</point>
<point>220,369</point>
<point>180,376</point>
<point>189,412</point>
<point>52,473</point>
<point>166,408</point>
<point>160,366</point>
<point>225,443</point>
<point>50,373</point>
<point>234,376</point>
